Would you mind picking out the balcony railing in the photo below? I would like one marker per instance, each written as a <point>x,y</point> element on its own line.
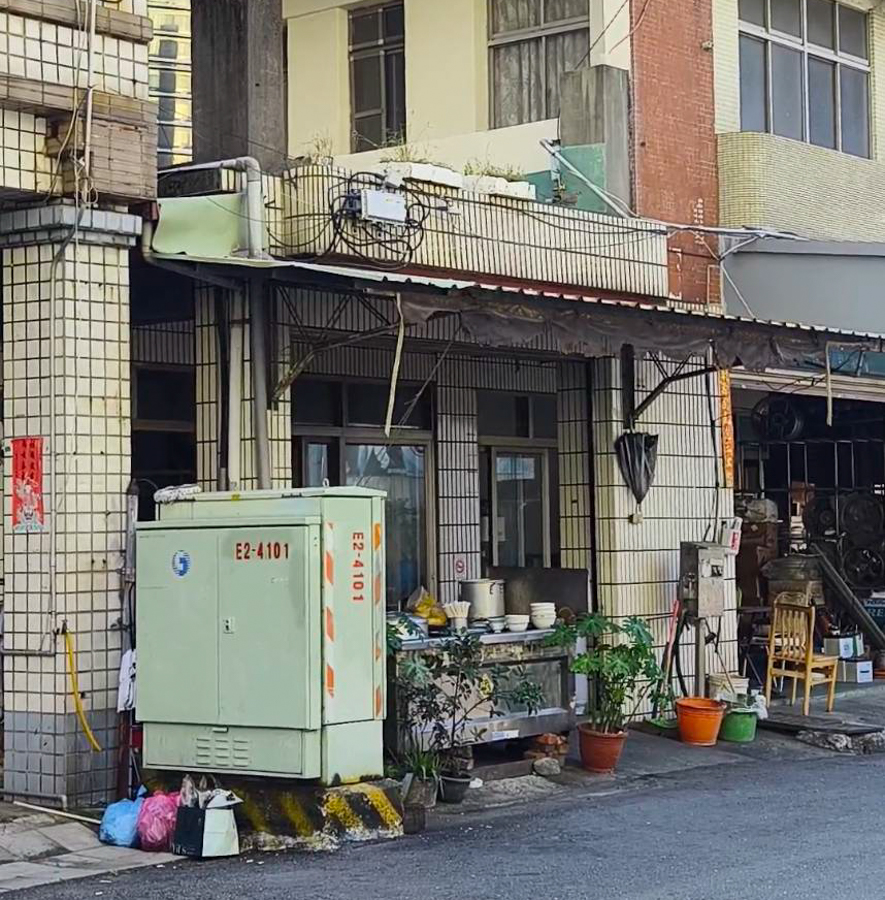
<point>456,232</point>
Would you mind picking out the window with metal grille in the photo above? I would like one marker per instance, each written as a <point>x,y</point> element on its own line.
<point>377,77</point>
<point>532,44</point>
<point>805,72</point>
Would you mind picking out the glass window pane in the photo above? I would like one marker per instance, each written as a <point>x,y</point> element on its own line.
<point>165,395</point>
<point>394,22</point>
<point>316,402</point>
<point>821,23</point>
<point>786,16</point>
<point>320,463</point>
<point>518,83</point>
<point>395,86</point>
<point>753,11</point>
<point>519,483</point>
<point>503,415</point>
<point>368,133</point>
<point>366,84</point>
<point>565,53</point>
<point>853,32</point>
<point>367,405</point>
<point>400,471</point>
<point>855,111</point>
<point>786,91</point>
<point>559,10</point>
<point>513,15</point>
<point>822,102</point>
<point>544,415</point>
<point>364,28</point>
<point>753,85</point>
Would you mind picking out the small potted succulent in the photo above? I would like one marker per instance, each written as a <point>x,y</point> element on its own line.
<point>438,693</point>
<point>621,663</point>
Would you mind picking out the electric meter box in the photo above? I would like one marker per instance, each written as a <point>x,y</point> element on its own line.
<point>702,579</point>
<point>261,634</point>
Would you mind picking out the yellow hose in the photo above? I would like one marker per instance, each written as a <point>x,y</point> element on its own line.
<point>75,693</point>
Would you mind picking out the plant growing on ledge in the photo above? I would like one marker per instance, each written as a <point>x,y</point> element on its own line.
<point>440,691</point>
<point>621,661</point>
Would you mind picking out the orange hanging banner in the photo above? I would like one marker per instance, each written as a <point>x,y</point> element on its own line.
<point>726,419</point>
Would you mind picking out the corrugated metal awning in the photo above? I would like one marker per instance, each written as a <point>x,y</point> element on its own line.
<point>578,323</point>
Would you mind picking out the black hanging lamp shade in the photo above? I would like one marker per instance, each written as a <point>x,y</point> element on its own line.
<point>637,457</point>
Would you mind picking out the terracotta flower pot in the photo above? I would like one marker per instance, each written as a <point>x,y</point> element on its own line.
<point>600,751</point>
<point>699,720</point>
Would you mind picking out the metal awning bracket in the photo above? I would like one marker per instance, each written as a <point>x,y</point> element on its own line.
<point>632,410</point>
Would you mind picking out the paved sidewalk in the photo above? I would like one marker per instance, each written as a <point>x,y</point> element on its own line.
<point>38,849</point>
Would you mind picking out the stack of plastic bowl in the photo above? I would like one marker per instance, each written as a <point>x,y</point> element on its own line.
<point>543,615</point>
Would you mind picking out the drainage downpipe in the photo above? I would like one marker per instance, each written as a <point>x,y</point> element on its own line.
<point>255,250</point>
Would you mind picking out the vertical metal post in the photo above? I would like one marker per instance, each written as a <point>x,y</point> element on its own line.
<point>700,659</point>
<point>258,333</point>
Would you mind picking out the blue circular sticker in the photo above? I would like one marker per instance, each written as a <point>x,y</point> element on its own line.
<point>181,563</point>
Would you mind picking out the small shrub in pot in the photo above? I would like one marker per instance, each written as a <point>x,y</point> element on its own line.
<point>621,662</point>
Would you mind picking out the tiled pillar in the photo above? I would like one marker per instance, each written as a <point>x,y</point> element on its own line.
<point>575,519</point>
<point>458,479</point>
<point>208,385</point>
<point>638,564</point>
<point>66,575</point>
<point>210,388</point>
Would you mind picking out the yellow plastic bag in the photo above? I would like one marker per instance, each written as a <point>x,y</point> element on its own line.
<point>423,604</point>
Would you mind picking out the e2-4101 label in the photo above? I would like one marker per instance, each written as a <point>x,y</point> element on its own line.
<point>246,551</point>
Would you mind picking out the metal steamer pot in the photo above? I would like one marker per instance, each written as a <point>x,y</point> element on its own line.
<point>485,596</point>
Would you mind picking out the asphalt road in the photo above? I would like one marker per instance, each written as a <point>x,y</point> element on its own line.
<point>789,828</point>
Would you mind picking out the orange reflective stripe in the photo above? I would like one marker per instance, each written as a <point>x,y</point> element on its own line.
<point>378,702</point>
<point>330,625</point>
<point>376,588</point>
<point>330,568</point>
<point>376,536</point>
<point>330,680</point>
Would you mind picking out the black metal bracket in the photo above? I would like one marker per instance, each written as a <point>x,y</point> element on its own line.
<point>632,411</point>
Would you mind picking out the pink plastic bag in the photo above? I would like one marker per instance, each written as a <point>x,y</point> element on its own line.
<point>156,822</point>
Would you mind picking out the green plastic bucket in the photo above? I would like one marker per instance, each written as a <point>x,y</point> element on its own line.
<point>738,726</point>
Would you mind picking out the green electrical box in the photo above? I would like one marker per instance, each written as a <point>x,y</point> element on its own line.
<point>261,634</point>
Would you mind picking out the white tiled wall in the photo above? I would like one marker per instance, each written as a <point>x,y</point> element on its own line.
<point>57,54</point>
<point>638,565</point>
<point>46,754</point>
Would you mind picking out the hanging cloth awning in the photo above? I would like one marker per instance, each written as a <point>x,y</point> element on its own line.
<point>572,323</point>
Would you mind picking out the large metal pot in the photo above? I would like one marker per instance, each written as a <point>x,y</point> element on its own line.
<point>485,596</point>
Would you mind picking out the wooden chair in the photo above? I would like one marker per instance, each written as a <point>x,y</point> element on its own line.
<point>791,653</point>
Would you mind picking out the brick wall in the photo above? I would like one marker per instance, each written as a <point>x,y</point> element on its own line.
<point>673,142</point>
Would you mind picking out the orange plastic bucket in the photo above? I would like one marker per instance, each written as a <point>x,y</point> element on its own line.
<point>699,720</point>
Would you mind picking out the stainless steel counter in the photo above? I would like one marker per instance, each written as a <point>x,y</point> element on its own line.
<point>548,665</point>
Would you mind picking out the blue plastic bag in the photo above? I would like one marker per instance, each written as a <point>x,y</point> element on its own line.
<point>118,824</point>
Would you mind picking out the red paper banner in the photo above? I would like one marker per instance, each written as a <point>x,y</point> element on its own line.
<point>27,485</point>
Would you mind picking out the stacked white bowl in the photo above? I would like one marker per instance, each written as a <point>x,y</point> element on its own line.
<point>517,623</point>
<point>543,615</point>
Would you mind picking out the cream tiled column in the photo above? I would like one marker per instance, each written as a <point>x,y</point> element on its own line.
<point>66,379</point>
<point>209,390</point>
<point>638,564</point>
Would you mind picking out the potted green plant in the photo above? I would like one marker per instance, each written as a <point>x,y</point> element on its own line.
<point>622,665</point>
<point>439,692</point>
